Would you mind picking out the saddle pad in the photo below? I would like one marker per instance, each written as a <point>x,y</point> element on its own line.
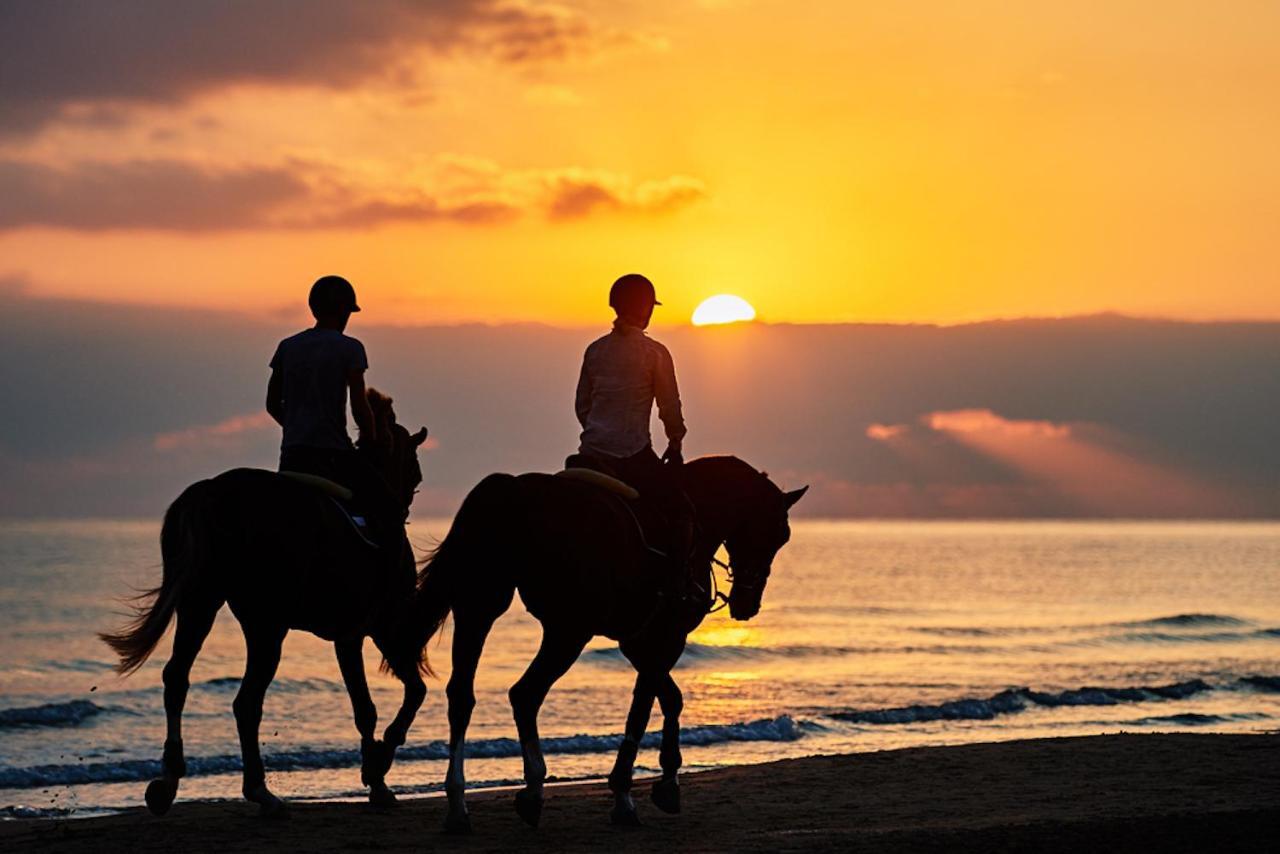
<point>601,480</point>
<point>323,484</point>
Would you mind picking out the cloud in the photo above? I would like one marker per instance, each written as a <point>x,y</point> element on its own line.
<point>178,195</point>
<point>226,433</point>
<point>986,421</point>
<point>885,432</point>
<point>1174,430</point>
<point>166,194</point>
<point>573,194</point>
<point>60,55</point>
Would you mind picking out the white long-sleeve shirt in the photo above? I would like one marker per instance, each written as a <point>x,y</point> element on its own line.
<point>623,373</point>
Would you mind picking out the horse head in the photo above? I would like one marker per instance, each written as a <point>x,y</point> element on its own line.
<point>744,509</point>
<point>394,454</point>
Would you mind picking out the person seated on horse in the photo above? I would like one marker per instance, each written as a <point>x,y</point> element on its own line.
<point>623,373</point>
<point>312,375</point>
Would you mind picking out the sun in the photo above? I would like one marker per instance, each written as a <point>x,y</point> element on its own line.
<point>722,308</point>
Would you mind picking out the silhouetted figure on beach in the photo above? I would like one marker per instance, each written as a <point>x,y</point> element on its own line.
<point>623,374</point>
<point>313,374</point>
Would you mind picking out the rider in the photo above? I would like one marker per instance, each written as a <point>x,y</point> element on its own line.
<point>312,375</point>
<point>623,373</point>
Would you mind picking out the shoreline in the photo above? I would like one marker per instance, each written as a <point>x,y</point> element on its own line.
<point>1165,792</point>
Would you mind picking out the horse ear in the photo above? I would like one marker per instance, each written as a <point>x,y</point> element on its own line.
<point>419,437</point>
<point>795,495</point>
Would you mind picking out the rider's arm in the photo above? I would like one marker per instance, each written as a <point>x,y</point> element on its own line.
<point>667,393</point>
<point>582,403</point>
<point>360,410</point>
<point>275,397</point>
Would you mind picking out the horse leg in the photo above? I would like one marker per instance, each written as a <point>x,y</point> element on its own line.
<point>350,657</point>
<point>624,808</point>
<point>263,657</point>
<point>469,635</point>
<point>194,622</point>
<point>557,654</point>
<point>397,731</point>
<point>666,791</point>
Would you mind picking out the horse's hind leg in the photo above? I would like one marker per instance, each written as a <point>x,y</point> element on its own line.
<point>559,650</point>
<point>469,635</point>
<point>195,619</point>
<point>666,792</point>
<point>263,657</point>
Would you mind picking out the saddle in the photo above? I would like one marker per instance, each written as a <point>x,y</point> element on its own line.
<point>340,496</point>
<point>602,480</point>
<point>651,525</point>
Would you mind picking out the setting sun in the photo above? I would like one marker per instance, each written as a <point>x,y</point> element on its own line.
<point>722,308</point>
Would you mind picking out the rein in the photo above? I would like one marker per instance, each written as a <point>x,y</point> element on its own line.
<point>719,600</point>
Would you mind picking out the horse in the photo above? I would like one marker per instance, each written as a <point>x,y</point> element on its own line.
<point>284,556</point>
<point>582,565</point>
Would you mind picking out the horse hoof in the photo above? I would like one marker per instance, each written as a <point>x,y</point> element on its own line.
<point>269,806</point>
<point>529,807</point>
<point>160,795</point>
<point>623,817</point>
<point>666,796</point>
<point>381,796</point>
<point>458,824</point>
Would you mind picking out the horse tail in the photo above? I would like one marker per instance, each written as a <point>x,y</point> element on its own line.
<point>469,538</point>
<point>184,546</point>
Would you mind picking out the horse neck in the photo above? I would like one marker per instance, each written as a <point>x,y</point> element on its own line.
<point>718,506</point>
<point>387,480</point>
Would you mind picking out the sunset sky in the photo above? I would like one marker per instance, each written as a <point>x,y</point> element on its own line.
<point>827,161</point>
<point>174,175</point>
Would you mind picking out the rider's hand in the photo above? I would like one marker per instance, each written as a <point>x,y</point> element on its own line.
<point>674,455</point>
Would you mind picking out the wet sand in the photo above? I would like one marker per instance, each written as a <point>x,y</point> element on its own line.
<point>1171,792</point>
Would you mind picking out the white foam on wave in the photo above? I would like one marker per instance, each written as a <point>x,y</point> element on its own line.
<point>782,728</point>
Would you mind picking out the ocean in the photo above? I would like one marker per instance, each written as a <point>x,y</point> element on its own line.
<point>873,636</point>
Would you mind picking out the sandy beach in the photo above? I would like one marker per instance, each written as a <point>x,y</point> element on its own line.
<point>1168,792</point>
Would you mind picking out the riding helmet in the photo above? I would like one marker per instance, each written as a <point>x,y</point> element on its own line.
<point>632,289</point>
<point>332,295</point>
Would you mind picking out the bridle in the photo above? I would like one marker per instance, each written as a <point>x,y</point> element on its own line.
<point>719,600</point>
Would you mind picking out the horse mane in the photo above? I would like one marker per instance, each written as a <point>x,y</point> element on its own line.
<point>384,415</point>
<point>729,463</point>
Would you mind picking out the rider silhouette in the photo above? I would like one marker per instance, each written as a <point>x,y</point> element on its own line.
<point>312,375</point>
<point>623,373</point>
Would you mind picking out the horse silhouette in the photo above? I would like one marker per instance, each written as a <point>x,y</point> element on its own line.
<point>283,556</point>
<point>582,566</point>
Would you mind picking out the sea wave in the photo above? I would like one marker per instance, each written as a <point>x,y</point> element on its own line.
<point>71,713</point>
<point>1184,637</point>
<point>1186,620</point>
<point>1260,683</point>
<point>231,684</point>
<point>1015,700</point>
<point>783,728</point>
<point>696,653</point>
<point>1194,719</point>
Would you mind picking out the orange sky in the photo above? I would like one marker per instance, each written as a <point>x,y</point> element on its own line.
<point>827,161</point>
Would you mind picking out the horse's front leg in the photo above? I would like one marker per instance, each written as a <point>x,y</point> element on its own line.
<point>378,762</point>
<point>375,759</point>
<point>624,809</point>
<point>666,791</point>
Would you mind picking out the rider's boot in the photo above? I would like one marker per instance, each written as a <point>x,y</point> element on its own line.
<point>678,585</point>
